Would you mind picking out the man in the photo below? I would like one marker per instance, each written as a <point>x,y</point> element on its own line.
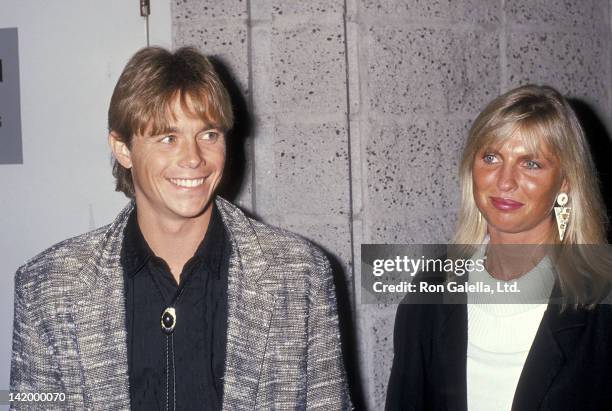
<point>182,302</point>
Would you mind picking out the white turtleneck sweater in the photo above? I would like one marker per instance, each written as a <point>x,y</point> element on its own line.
<point>501,330</point>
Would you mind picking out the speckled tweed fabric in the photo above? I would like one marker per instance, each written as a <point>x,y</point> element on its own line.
<point>283,346</point>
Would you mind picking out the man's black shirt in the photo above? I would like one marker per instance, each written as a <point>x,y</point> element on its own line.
<point>199,338</point>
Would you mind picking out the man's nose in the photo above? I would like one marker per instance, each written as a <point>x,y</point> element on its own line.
<point>191,156</point>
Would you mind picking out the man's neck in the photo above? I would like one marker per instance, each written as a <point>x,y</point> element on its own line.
<point>173,240</point>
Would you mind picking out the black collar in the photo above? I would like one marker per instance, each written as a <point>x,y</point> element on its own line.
<point>135,252</point>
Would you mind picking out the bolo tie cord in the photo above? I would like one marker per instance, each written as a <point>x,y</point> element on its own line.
<point>168,323</point>
<point>167,373</point>
<point>170,343</point>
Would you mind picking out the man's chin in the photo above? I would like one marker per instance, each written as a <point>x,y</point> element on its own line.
<point>193,211</point>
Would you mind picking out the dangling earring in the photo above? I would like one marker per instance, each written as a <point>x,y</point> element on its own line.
<point>562,213</point>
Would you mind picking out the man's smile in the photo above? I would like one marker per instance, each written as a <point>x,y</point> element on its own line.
<point>187,182</point>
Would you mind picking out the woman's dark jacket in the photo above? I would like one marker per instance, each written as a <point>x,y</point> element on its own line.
<point>569,365</point>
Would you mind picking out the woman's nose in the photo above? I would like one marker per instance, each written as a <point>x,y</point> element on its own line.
<point>506,180</point>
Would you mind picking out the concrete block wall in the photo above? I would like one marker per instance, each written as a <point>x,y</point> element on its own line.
<point>360,109</point>
<point>301,133</point>
<point>288,59</point>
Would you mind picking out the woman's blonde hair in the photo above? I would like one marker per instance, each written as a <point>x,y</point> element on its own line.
<point>540,115</point>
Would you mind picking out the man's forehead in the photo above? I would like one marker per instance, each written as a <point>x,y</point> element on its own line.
<point>177,125</point>
<point>176,118</point>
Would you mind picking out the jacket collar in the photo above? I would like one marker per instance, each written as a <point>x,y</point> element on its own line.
<point>99,316</point>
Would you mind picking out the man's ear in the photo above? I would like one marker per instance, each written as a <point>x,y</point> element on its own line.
<point>120,150</point>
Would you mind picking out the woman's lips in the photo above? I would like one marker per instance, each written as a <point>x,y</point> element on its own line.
<point>505,204</point>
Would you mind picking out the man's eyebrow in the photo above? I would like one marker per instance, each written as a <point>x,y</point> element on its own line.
<point>158,132</point>
<point>174,130</point>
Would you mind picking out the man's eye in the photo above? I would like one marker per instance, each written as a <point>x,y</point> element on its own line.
<point>210,136</point>
<point>167,139</point>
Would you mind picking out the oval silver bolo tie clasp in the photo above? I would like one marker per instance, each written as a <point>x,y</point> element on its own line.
<point>168,320</point>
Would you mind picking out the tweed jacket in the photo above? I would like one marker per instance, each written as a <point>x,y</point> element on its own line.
<point>283,346</point>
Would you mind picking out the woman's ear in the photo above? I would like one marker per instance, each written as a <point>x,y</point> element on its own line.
<point>120,150</point>
<point>564,186</point>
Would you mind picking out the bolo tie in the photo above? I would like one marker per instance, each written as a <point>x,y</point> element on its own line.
<point>168,324</point>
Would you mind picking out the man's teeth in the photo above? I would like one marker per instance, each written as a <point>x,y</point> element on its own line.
<point>181,182</point>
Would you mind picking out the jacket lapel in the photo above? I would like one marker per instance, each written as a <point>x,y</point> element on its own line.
<point>547,354</point>
<point>99,316</point>
<point>250,309</point>
<point>451,354</point>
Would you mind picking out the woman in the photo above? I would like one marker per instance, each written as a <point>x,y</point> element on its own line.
<point>529,192</point>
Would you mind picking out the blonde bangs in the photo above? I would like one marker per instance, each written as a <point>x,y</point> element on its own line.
<point>159,114</point>
<point>540,134</point>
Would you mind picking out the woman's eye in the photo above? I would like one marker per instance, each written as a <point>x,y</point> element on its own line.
<point>167,139</point>
<point>532,164</point>
<point>488,158</point>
